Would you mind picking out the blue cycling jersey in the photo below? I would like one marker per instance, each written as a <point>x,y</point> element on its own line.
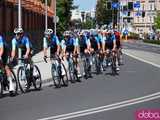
<point>24,41</point>
<point>97,39</point>
<point>76,42</point>
<point>1,42</point>
<point>111,39</point>
<point>54,42</point>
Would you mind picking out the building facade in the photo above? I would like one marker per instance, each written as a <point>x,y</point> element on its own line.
<point>140,19</point>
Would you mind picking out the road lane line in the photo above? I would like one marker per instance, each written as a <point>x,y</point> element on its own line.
<point>143,60</point>
<point>104,108</point>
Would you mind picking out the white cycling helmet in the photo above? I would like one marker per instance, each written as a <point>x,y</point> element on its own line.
<point>18,30</point>
<point>48,32</point>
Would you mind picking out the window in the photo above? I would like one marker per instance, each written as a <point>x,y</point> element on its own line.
<point>151,6</point>
<point>150,19</point>
<point>142,6</point>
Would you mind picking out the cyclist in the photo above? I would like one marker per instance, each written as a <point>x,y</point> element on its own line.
<point>111,44</point>
<point>52,41</point>
<point>4,54</point>
<point>86,49</point>
<point>72,48</point>
<point>21,41</point>
<point>118,44</point>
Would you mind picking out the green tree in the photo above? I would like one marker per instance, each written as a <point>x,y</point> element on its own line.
<point>64,8</point>
<point>157,21</point>
<point>89,24</point>
<point>104,13</point>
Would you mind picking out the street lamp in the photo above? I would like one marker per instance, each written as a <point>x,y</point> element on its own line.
<point>19,26</point>
<point>19,14</point>
<point>55,17</point>
<point>46,15</point>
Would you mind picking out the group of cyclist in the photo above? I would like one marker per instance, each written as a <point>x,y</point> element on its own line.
<point>75,43</point>
<point>83,42</point>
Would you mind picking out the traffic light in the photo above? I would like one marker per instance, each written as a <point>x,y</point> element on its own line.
<point>129,13</point>
<point>130,5</point>
<point>109,5</point>
<point>143,14</point>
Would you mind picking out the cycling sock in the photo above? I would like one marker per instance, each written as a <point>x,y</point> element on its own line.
<point>11,87</point>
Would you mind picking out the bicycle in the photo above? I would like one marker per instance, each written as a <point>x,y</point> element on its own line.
<point>87,66</point>
<point>98,62</point>
<point>58,71</point>
<point>4,83</point>
<point>72,67</point>
<point>111,61</point>
<point>28,74</point>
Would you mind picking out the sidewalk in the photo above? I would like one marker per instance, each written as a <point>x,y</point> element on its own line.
<point>147,57</point>
<point>142,43</point>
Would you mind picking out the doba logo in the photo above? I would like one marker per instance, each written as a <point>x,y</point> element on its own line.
<point>148,115</point>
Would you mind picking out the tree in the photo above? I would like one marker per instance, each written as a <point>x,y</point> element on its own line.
<point>104,12</point>
<point>89,24</point>
<point>157,21</point>
<point>64,8</point>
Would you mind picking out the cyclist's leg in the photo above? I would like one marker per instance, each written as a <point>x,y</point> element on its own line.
<point>8,73</point>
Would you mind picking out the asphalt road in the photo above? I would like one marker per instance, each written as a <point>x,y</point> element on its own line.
<point>136,79</point>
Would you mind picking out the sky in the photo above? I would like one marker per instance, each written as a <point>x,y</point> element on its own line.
<point>85,4</point>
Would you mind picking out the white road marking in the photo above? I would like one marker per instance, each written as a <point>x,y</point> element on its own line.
<point>143,60</point>
<point>104,108</point>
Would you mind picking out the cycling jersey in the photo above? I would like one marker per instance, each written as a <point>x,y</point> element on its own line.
<point>6,51</point>
<point>23,43</point>
<point>110,40</point>
<point>51,43</point>
<point>70,43</point>
<point>76,42</point>
<point>1,42</point>
<point>118,42</point>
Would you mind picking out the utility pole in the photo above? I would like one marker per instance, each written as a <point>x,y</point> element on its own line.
<point>46,15</point>
<point>19,14</point>
<point>55,17</point>
<point>19,26</point>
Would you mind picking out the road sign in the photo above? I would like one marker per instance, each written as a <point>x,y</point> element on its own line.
<point>138,13</point>
<point>55,19</point>
<point>115,5</point>
<point>137,4</point>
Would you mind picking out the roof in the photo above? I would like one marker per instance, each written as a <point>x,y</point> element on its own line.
<point>34,5</point>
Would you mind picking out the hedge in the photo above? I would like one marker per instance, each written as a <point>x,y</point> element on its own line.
<point>152,41</point>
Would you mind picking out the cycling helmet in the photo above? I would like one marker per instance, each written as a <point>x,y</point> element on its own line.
<point>18,30</point>
<point>48,32</point>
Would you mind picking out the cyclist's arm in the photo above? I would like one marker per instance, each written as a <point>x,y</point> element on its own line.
<point>114,42</point>
<point>45,46</point>
<point>58,45</point>
<point>14,44</point>
<point>27,47</point>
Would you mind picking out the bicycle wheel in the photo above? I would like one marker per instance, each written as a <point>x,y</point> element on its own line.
<point>86,68</point>
<point>97,65</point>
<point>71,71</point>
<point>55,76</point>
<point>15,83</point>
<point>37,79</point>
<point>1,86</point>
<point>22,79</point>
<point>114,71</point>
<point>64,75</point>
